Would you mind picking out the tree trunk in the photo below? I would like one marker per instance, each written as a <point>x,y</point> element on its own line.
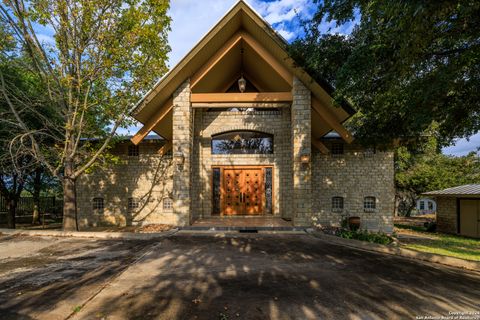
<point>69,200</point>
<point>12,209</point>
<point>37,184</point>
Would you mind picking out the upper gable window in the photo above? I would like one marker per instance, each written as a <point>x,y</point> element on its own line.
<point>242,142</point>
<point>133,151</point>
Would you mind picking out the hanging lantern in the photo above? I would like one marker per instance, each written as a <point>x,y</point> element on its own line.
<point>242,84</point>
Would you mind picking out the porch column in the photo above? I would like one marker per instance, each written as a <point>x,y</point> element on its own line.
<point>182,142</point>
<point>301,146</point>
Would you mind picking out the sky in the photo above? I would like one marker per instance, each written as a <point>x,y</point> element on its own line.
<point>192,19</point>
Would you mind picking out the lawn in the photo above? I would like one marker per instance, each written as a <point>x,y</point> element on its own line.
<point>415,238</point>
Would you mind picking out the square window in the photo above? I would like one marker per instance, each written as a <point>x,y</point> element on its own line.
<point>167,204</point>
<point>369,204</point>
<point>369,152</point>
<point>337,204</point>
<point>133,151</point>
<point>98,204</point>
<point>133,204</point>
<point>422,205</point>
<point>337,149</point>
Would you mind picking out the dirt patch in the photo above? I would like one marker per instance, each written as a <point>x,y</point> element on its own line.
<point>51,281</point>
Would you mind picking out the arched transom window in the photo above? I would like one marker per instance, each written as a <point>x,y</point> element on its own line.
<point>242,142</point>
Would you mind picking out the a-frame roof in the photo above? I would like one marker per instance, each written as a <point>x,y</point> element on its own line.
<point>241,18</point>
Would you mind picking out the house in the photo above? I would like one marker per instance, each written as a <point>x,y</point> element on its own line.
<point>425,206</point>
<point>458,209</point>
<point>244,132</point>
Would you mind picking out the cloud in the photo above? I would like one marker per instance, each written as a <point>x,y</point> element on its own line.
<point>463,147</point>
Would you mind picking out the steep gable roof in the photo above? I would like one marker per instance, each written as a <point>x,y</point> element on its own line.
<point>241,18</point>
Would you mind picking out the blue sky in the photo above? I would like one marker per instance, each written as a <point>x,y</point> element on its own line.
<point>191,19</point>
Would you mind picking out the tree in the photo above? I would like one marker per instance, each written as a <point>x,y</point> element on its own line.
<point>405,65</point>
<point>104,55</point>
<point>424,168</point>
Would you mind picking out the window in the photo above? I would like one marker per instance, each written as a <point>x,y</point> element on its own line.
<point>242,142</point>
<point>369,152</point>
<point>369,204</point>
<point>133,204</point>
<point>422,205</point>
<point>167,204</point>
<point>337,204</point>
<point>98,204</point>
<point>133,151</point>
<point>337,149</point>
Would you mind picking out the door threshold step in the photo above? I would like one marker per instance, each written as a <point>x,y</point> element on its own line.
<point>240,229</point>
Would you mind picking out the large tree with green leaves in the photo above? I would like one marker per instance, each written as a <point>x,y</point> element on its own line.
<point>405,65</point>
<point>103,56</point>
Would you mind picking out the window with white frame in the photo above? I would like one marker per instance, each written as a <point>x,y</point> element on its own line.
<point>337,204</point>
<point>369,204</point>
<point>133,204</point>
<point>98,204</point>
<point>167,204</point>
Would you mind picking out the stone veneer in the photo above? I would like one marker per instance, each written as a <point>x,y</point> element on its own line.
<point>302,192</point>
<point>446,214</point>
<point>147,177</point>
<point>354,175</point>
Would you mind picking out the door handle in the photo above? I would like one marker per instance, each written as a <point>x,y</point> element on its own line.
<point>243,196</point>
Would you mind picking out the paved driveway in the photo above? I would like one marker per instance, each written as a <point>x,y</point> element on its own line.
<point>259,276</point>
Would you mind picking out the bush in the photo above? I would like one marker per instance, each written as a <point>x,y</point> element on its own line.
<point>364,235</point>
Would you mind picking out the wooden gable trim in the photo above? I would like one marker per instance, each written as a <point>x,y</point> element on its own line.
<point>165,148</point>
<point>328,116</point>
<point>242,97</point>
<point>320,146</point>
<point>154,120</point>
<point>283,72</point>
<point>203,71</point>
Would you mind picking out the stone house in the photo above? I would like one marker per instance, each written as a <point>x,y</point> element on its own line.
<point>244,132</point>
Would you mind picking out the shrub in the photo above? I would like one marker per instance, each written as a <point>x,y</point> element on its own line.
<point>364,235</point>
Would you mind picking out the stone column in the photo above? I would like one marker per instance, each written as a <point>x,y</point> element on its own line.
<point>301,145</point>
<point>182,142</point>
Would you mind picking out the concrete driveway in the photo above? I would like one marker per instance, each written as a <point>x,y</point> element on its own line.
<point>257,276</point>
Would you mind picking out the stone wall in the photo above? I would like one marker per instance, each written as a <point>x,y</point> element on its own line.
<point>354,175</point>
<point>211,122</point>
<point>182,146</point>
<point>447,214</point>
<point>301,139</point>
<point>146,177</point>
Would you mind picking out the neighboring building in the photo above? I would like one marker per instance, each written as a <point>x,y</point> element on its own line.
<point>426,206</point>
<point>245,133</point>
<point>458,209</point>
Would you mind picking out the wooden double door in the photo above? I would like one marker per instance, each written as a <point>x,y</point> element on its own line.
<point>243,191</point>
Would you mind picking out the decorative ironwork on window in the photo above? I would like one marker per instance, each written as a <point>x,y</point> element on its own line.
<point>216,202</point>
<point>337,149</point>
<point>242,142</point>
<point>337,204</point>
<point>268,190</point>
<point>98,204</point>
<point>369,204</point>
<point>133,151</point>
<point>133,204</point>
<point>167,204</point>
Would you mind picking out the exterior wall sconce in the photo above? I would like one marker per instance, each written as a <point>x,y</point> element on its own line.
<point>305,158</point>
<point>242,84</point>
<point>179,159</point>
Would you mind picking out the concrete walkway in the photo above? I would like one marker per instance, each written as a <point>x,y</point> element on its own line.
<point>228,276</point>
<point>279,277</point>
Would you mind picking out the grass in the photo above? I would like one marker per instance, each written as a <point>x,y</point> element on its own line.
<point>442,244</point>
